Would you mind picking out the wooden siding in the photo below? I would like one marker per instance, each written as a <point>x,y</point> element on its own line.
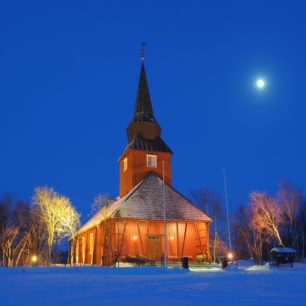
<point>137,168</point>
<point>128,238</point>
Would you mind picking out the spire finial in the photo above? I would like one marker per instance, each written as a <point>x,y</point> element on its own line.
<point>142,51</point>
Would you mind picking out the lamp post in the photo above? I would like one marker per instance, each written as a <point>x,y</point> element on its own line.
<point>230,256</point>
<point>34,260</point>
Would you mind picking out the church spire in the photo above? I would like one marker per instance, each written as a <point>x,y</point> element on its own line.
<point>143,105</point>
<point>143,122</point>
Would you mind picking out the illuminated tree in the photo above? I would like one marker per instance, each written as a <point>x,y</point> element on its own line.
<point>267,219</point>
<point>58,215</point>
<point>266,215</point>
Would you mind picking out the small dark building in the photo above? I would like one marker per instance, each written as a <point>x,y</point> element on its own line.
<point>282,256</point>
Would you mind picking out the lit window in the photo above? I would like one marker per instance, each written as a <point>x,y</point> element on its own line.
<point>91,247</point>
<point>125,164</point>
<point>77,252</point>
<point>91,244</point>
<point>71,256</point>
<point>151,161</point>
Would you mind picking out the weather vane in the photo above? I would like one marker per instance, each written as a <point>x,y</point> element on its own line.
<point>142,51</point>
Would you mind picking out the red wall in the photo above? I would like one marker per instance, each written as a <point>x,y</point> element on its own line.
<point>130,237</point>
<point>137,168</point>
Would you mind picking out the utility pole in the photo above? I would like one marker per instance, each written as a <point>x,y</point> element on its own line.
<point>227,213</point>
<point>165,221</point>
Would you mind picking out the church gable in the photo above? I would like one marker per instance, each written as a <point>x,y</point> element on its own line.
<point>146,201</point>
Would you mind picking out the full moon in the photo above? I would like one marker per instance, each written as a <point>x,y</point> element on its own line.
<point>260,83</point>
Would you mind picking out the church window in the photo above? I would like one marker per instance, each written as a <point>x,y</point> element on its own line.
<point>91,246</point>
<point>77,252</point>
<point>151,161</point>
<point>125,164</point>
<point>91,243</point>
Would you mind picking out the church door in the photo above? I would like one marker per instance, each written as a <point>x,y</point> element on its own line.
<point>154,247</point>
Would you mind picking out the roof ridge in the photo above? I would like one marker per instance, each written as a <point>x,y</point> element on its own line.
<point>136,208</point>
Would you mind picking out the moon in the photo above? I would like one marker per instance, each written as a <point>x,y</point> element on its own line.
<point>260,83</point>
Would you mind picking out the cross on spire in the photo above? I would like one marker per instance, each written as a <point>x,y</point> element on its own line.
<point>142,51</point>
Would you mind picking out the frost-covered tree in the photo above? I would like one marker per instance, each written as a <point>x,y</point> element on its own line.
<point>57,213</point>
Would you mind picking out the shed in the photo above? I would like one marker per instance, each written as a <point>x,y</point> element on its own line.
<point>282,256</point>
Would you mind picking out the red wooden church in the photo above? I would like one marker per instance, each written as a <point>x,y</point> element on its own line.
<point>149,220</point>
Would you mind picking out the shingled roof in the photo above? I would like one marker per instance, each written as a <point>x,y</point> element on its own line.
<point>145,201</point>
<point>140,143</point>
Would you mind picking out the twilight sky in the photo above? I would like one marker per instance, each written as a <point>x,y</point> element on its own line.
<point>69,72</point>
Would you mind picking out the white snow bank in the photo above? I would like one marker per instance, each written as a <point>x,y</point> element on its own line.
<point>86,286</point>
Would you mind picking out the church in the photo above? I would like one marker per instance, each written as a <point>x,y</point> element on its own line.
<point>150,221</point>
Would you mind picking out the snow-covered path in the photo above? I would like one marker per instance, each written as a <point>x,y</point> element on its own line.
<point>85,286</point>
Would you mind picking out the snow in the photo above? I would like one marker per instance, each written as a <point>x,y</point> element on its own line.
<point>283,250</point>
<point>82,286</point>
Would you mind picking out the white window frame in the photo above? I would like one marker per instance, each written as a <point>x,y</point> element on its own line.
<point>151,161</point>
<point>125,164</point>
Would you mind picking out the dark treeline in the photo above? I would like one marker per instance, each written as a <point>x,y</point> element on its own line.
<point>28,231</point>
<point>21,232</point>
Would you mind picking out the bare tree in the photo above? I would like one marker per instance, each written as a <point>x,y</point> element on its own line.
<point>269,219</point>
<point>210,203</point>
<point>38,235</point>
<point>289,199</point>
<point>243,233</point>
<point>266,215</point>
<point>99,202</point>
<point>59,216</point>
<point>5,206</point>
<point>14,231</point>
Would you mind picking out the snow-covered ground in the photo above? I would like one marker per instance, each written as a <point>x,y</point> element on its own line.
<point>80,286</point>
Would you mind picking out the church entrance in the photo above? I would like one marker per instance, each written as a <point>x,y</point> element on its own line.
<point>154,247</point>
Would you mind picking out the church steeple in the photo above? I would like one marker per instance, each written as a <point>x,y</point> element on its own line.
<point>146,152</point>
<point>143,122</point>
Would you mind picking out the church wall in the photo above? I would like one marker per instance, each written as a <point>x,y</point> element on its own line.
<point>128,237</point>
<point>137,168</point>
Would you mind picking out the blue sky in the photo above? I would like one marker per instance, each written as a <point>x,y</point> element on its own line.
<point>69,73</point>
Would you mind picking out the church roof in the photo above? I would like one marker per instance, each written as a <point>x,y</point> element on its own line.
<point>146,201</point>
<point>140,143</point>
